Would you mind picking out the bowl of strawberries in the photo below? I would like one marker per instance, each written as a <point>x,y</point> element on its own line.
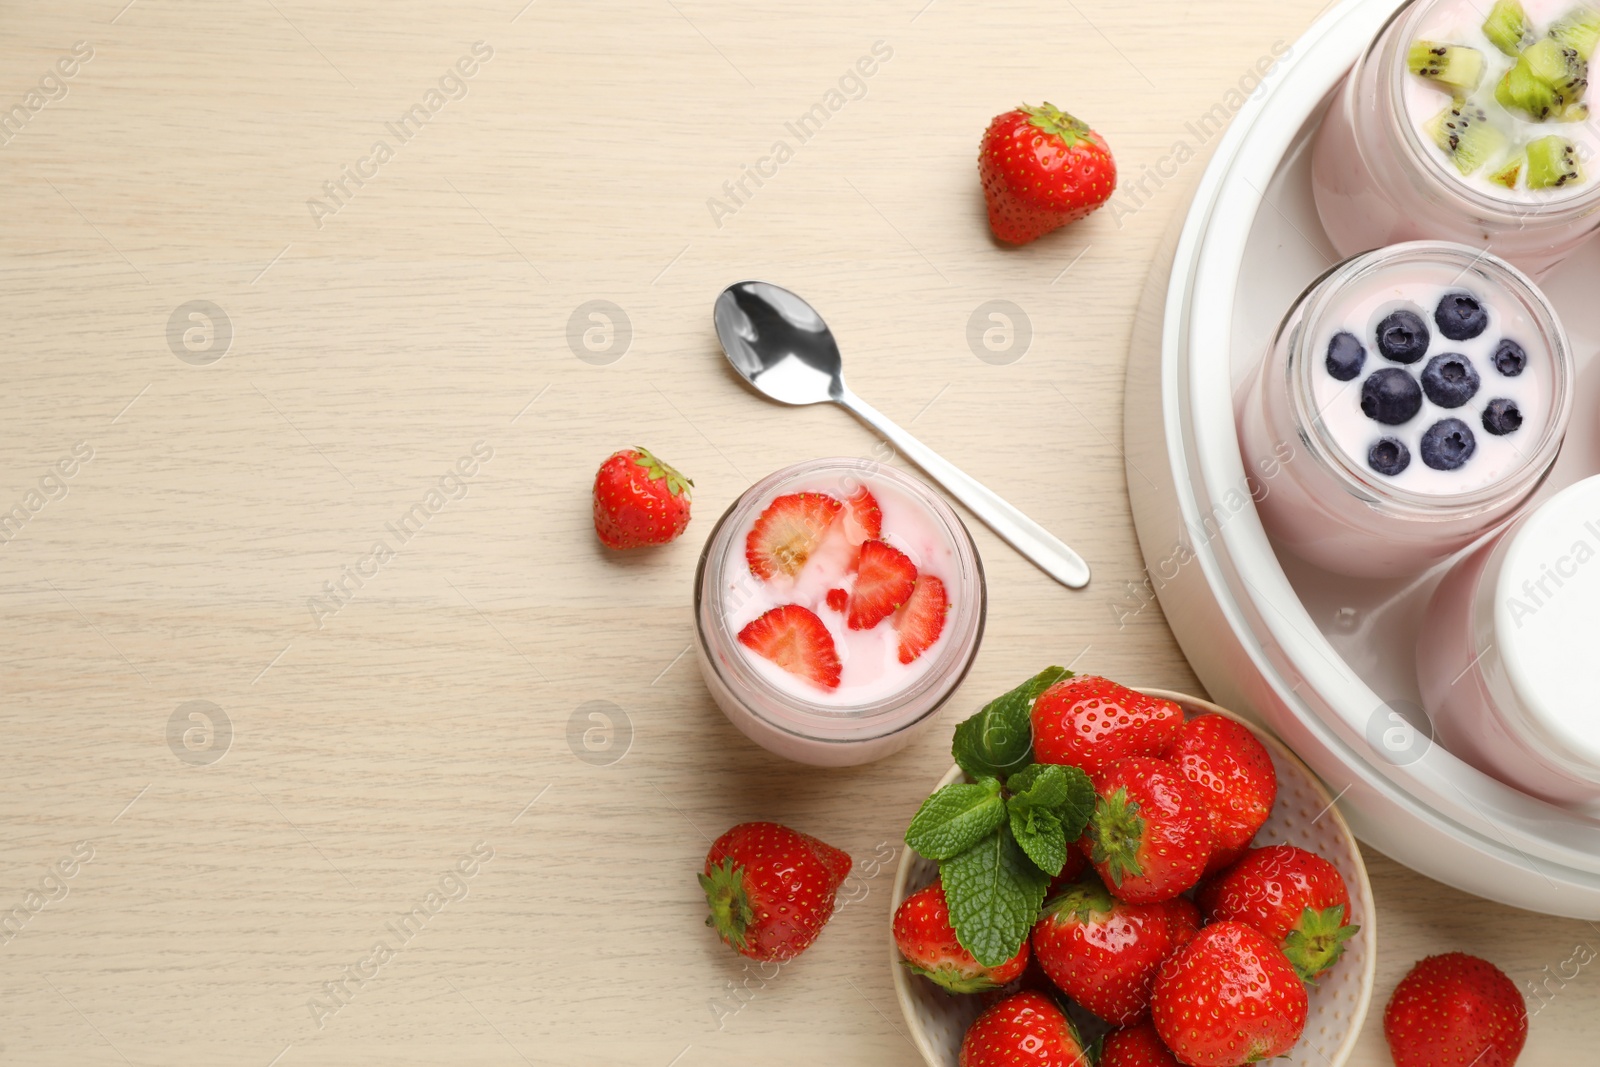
<point>1141,871</point>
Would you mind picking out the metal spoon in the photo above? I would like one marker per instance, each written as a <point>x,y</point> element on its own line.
<point>781,346</point>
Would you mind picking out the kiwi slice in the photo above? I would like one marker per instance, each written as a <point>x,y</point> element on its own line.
<point>1553,163</point>
<point>1509,172</point>
<point>1456,67</point>
<point>1559,67</point>
<point>1507,28</point>
<point>1521,90</point>
<point>1579,30</point>
<point>1463,131</point>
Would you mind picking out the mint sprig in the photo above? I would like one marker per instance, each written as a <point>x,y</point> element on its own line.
<point>1001,837</point>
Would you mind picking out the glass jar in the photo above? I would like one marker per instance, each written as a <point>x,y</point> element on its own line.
<point>1506,659</point>
<point>881,704</point>
<point>1314,448</point>
<point>1379,179</point>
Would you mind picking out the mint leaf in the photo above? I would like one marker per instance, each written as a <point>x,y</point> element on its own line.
<point>999,739</point>
<point>1066,792</point>
<point>994,891</point>
<point>1039,834</point>
<point>956,818</point>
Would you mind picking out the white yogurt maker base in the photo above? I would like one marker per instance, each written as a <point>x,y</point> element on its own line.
<point>1328,665</point>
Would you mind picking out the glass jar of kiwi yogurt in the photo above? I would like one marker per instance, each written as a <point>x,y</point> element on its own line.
<point>1457,125</point>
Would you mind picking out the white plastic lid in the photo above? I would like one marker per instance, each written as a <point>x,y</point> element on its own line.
<point>1547,619</point>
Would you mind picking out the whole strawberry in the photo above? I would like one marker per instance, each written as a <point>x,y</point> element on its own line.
<point>639,500</point>
<point>1229,998</point>
<point>1295,897</point>
<point>771,889</point>
<point>1103,952</point>
<point>1149,837</point>
<point>923,933</point>
<point>1090,723</point>
<point>1232,774</point>
<point>1186,921</point>
<point>1023,1030</point>
<point>1137,1046</point>
<point>1455,1010</point>
<point>1041,169</point>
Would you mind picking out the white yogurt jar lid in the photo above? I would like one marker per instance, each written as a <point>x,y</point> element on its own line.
<point>1547,620</point>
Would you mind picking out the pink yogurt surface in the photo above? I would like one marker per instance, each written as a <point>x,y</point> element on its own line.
<point>872,670</point>
<point>1419,287</point>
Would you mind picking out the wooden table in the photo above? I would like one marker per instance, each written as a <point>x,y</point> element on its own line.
<point>318,319</point>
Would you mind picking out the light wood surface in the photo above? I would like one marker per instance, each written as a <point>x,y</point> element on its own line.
<point>429,720</point>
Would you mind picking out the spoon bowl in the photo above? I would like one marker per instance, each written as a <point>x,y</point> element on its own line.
<point>784,350</point>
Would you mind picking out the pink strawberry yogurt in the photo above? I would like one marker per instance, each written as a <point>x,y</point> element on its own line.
<point>880,702</point>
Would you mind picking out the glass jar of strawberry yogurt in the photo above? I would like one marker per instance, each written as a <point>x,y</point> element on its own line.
<point>1506,658</point>
<point>1411,401</point>
<point>838,604</point>
<point>1443,130</point>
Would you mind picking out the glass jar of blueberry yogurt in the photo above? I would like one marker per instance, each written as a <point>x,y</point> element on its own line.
<point>1421,393</point>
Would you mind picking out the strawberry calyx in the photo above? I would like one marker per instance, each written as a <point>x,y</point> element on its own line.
<point>731,912</point>
<point>1317,941</point>
<point>1082,901</point>
<point>953,978</point>
<point>1115,833</point>
<point>657,471</point>
<point>1053,120</point>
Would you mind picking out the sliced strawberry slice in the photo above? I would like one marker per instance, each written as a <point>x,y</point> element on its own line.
<point>796,640</point>
<point>863,519</point>
<point>884,577</point>
<point>921,621</point>
<point>786,534</point>
<point>838,599</point>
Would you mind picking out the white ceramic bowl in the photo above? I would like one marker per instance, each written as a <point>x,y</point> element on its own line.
<point>1304,816</point>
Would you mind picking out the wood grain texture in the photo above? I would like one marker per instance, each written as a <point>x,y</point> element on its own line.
<point>376,746</point>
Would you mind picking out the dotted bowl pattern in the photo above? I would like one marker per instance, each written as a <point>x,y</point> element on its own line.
<point>1304,816</point>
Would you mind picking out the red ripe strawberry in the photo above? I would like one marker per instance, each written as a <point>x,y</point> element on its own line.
<point>1228,998</point>
<point>838,600</point>
<point>639,500</point>
<point>1023,1030</point>
<point>1232,773</point>
<point>1138,1046</point>
<point>1041,169</point>
<point>884,579</point>
<point>1455,1010</point>
<point>785,535</point>
<point>1149,837</point>
<point>863,519</point>
<point>923,933</point>
<point>1295,897</point>
<point>1186,922</point>
<point>771,889</point>
<point>1103,952</point>
<point>796,640</point>
<point>1091,722</point>
<point>921,621</point>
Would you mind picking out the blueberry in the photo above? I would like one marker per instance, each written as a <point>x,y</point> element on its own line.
<point>1389,456</point>
<point>1391,396</point>
<point>1346,356</point>
<point>1460,316</point>
<point>1450,380</point>
<point>1403,337</point>
<point>1501,417</point>
<point>1447,444</point>
<point>1509,358</point>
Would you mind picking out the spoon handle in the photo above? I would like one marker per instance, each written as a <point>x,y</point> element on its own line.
<point>1039,545</point>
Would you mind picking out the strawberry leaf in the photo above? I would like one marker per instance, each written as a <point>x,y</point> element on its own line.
<point>956,818</point>
<point>999,739</point>
<point>994,891</point>
<point>1039,834</point>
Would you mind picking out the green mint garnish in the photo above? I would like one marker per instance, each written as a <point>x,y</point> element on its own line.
<point>994,891</point>
<point>956,818</point>
<point>999,739</point>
